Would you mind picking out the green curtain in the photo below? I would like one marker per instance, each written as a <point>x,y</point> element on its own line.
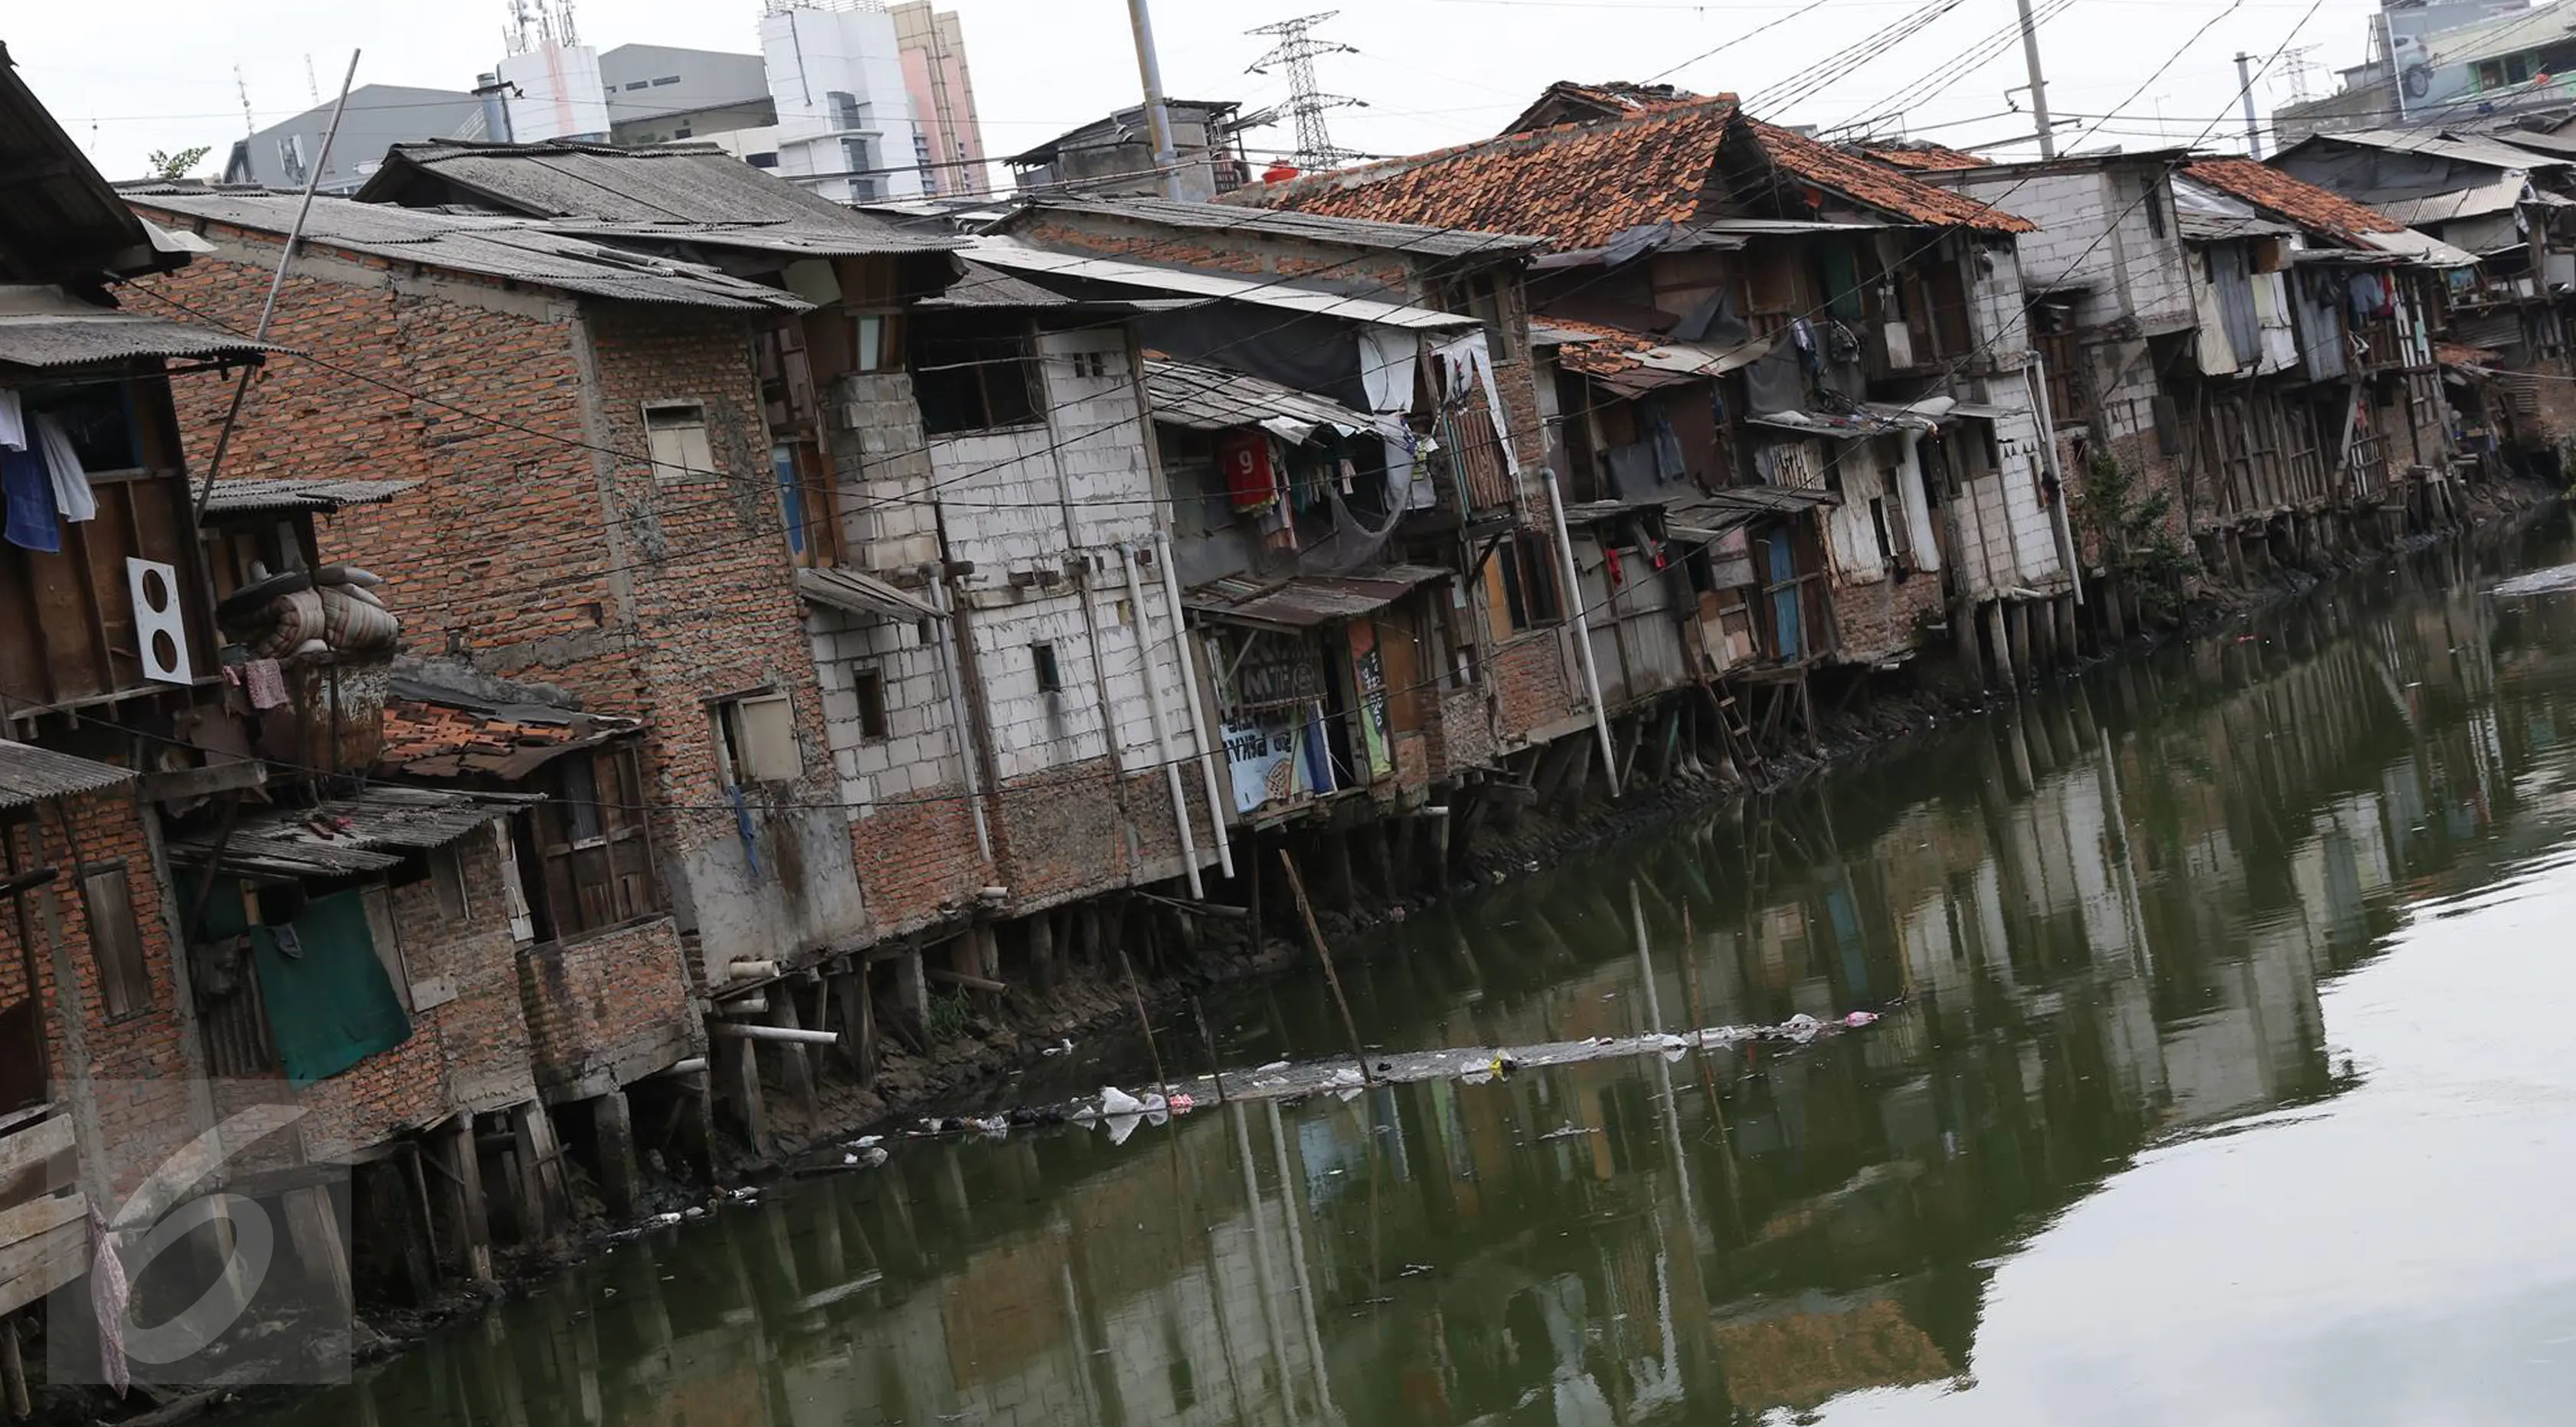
<point>331,1005</point>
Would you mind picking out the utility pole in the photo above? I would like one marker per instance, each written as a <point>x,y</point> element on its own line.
<point>1158,118</point>
<point>1297,49</point>
<point>2253,129</point>
<point>2038,83</point>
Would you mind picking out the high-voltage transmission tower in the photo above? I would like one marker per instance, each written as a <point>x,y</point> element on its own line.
<point>1296,49</point>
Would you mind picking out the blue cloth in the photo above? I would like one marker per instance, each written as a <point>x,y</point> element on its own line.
<point>30,493</point>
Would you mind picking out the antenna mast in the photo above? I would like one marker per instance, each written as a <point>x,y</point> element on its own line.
<point>241,86</point>
<point>1296,49</point>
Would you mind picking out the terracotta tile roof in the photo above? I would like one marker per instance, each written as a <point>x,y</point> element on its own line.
<point>1570,101</point>
<point>1608,354</point>
<point>2282,196</point>
<point>1581,184</point>
<point>1924,156</point>
<point>1862,181</point>
<point>2459,354</point>
<point>436,740</point>
<point>1585,184</point>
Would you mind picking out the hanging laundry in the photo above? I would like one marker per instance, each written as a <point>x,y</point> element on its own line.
<point>1250,480</point>
<point>265,681</point>
<point>1610,559</point>
<point>30,495</point>
<point>63,465</point>
<point>13,420</point>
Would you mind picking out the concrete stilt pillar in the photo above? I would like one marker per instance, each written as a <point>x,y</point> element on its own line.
<point>2069,635</point>
<point>911,988</point>
<point>795,1069</point>
<point>612,1122</point>
<point>1964,620</point>
<point>385,1191</point>
<point>1999,644</point>
<point>738,1081</point>
<point>858,1015</point>
<point>313,1227</point>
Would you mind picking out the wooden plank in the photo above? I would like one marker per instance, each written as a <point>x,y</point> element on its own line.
<point>30,1270</point>
<point>32,1149</point>
<point>38,1216</point>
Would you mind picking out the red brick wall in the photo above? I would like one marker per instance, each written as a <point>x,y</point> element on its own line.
<point>618,999</point>
<point>138,1066</point>
<point>1061,836</point>
<point>1879,620</point>
<point>918,855</point>
<point>1238,253</point>
<point>1529,676</point>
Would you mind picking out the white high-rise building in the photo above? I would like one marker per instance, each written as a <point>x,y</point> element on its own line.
<point>551,87</point>
<point>845,121</point>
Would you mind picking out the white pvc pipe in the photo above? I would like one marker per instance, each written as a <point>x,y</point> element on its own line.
<point>1162,724</point>
<point>737,1030</point>
<point>1582,628</point>
<point>1218,808</point>
<point>948,656</point>
<point>2037,374</point>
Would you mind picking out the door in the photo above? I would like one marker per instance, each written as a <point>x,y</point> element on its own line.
<point>1784,592</point>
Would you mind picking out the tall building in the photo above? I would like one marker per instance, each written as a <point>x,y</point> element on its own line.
<point>933,45</point>
<point>284,154</point>
<point>845,117</point>
<point>659,94</point>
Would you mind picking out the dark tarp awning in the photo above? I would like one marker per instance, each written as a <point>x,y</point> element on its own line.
<point>1309,600</point>
<point>369,831</point>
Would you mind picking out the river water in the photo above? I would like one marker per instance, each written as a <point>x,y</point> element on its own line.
<point>2223,1077</point>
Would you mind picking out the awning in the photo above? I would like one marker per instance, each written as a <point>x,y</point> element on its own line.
<point>1718,512</point>
<point>435,732</point>
<point>29,774</point>
<point>1207,398</point>
<point>1265,292</point>
<point>1873,421</point>
<point>234,497</point>
<point>1309,600</point>
<point>862,594</point>
<point>45,327</point>
<point>370,831</point>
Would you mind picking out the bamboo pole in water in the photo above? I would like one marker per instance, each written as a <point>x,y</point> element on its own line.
<point>1161,1081</point>
<point>1314,934</point>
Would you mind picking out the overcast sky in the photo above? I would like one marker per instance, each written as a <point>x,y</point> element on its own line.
<point>159,75</point>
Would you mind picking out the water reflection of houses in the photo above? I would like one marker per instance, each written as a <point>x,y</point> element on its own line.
<point>2127,937</point>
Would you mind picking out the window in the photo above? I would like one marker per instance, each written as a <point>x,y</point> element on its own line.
<point>921,160</point>
<point>591,857</point>
<point>637,83</point>
<point>667,79</point>
<point>973,374</point>
<point>869,686</point>
<point>2148,184</point>
<point>805,506</point>
<point>382,931</point>
<point>1050,675</point>
<point>1886,541</point>
<point>876,341</point>
<point>1521,584</point>
<point>676,433</point>
<point>115,944</point>
<point>756,740</point>
<point>447,883</point>
<point>290,156</point>
<point>96,416</point>
<point>847,111</point>
<point>681,132</point>
<point>767,160</point>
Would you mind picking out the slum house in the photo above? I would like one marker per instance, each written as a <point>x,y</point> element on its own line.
<point>2504,204</point>
<point>592,508</point>
<point>1785,320</point>
<point>2345,303</point>
<point>994,624</point>
<point>1424,331</point>
<point>185,680</point>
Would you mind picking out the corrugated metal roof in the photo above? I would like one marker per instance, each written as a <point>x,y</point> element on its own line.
<point>675,192</point>
<point>29,773</point>
<point>58,218</point>
<point>233,496</point>
<point>517,249</point>
<point>2435,143</point>
<point>44,339</point>
<point>1415,238</point>
<point>983,287</point>
<point>369,831</point>
<point>2501,196</point>
<point>1213,399</point>
<point>1308,600</point>
<point>860,593</point>
<point>1018,257</point>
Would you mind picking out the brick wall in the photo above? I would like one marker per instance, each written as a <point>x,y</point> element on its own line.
<point>613,1005</point>
<point>138,1068</point>
<point>1531,683</point>
<point>917,856</point>
<point>1313,264</point>
<point>1878,619</point>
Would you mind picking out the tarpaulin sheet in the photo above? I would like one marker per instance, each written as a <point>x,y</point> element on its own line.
<point>330,1004</point>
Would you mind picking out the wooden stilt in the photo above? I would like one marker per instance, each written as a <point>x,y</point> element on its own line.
<point>313,1226</point>
<point>612,1122</point>
<point>1315,935</point>
<point>461,1190</point>
<point>795,1070</point>
<point>13,1372</point>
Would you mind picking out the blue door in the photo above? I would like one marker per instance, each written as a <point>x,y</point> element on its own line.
<point>1784,599</point>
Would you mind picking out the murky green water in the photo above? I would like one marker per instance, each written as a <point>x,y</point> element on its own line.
<point>2230,1083</point>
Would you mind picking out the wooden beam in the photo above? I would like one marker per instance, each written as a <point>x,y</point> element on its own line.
<point>966,979</point>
